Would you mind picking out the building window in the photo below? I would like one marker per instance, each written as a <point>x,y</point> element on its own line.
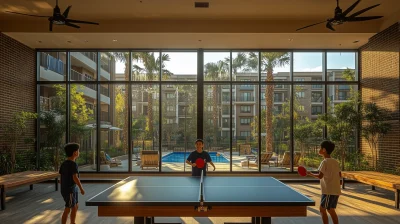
<point>315,110</point>
<point>170,121</point>
<point>316,97</point>
<point>278,97</point>
<point>245,109</point>
<point>170,96</point>
<point>245,133</point>
<point>300,94</point>
<point>170,108</point>
<point>245,121</point>
<point>210,108</point>
<point>301,108</point>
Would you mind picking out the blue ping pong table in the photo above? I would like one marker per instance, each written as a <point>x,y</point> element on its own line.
<point>146,197</point>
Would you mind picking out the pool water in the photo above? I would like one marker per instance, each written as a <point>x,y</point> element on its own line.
<point>179,157</point>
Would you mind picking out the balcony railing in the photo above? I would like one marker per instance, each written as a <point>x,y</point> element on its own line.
<point>91,55</point>
<point>54,64</point>
<point>76,76</point>
<point>105,64</point>
<point>104,91</point>
<point>316,99</point>
<point>245,98</point>
<point>316,86</point>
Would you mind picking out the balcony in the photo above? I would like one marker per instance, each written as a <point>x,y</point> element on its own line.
<point>88,60</point>
<point>245,99</point>
<point>77,76</point>
<point>246,87</point>
<point>51,68</point>
<point>90,88</point>
<point>317,87</point>
<point>316,99</point>
<point>226,125</point>
<point>48,103</point>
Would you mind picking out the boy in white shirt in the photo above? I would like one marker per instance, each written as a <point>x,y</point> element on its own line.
<point>330,179</point>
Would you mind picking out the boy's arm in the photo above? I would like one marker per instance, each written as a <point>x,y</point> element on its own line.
<point>320,175</point>
<point>78,182</point>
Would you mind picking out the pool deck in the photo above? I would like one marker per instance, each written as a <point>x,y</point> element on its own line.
<point>183,167</point>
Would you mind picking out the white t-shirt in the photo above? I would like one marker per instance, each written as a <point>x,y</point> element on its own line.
<point>330,183</point>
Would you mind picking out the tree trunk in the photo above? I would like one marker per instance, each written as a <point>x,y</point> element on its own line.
<point>269,99</point>
<point>150,114</point>
<point>126,121</point>
<point>215,114</point>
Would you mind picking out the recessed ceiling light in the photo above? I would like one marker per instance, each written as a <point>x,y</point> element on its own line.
<point>199,40</point>
<point>39,41</point>
<point>290,39</point>
<point>86,41</point>
<point>356,41</point>
<point>115,40</point>
<point>68,41</point>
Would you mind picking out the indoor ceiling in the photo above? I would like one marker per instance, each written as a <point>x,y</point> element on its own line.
<point>177,24</point>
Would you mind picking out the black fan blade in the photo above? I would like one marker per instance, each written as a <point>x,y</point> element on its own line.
<point>65,14</point>
<point>351,8</point>
<point>79,21</point>
<point>329,26</point>
<point>363,10</point>
<point>310,25</point>
<point>26,14</point>
<point>359,19</point>
<point>73,25</point>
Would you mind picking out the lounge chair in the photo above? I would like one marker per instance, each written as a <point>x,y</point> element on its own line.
<point>252,161</point>
<point>285,161</point>
<point>106,159</point>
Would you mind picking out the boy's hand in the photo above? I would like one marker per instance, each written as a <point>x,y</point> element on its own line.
<point>82,192</point>
<point>194,164</point>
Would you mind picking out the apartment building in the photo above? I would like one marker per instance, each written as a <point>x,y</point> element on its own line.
<point>83,69</point>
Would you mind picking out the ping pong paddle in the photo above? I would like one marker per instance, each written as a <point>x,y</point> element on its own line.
<point>200,163</point>
<point>302,171</point>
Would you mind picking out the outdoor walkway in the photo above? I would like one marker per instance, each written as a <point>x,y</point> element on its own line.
<point>358,205</point>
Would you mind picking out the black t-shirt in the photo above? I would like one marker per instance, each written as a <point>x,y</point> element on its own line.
<point>67,170</point>
<point>192,158</point>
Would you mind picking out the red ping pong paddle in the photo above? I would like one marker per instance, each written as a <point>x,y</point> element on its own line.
<point>200,163</point>
<point>302,171</point>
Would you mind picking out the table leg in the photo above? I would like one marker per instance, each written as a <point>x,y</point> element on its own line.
<point>138,220</point>
<point>3,198</point>
<point>31,187</point>
<point>397,198</point>
<point>265,220</point>
<point>343,183</point>
<point>261,220</point>
<point>373,187</point>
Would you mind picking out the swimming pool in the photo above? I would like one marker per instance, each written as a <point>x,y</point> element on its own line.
<point>178,157</point>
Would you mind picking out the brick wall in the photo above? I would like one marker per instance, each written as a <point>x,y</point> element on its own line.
<point>379,69</point>
<point>17,82</point>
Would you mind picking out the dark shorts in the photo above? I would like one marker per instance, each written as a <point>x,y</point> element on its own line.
<point>329,201</point>
<point>70,199</point>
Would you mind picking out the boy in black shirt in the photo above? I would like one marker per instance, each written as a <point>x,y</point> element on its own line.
<point>199,153</point>
<point>70,182</point>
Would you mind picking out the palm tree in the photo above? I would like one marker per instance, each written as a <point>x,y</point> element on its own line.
<point>269,60</point>
<point>151,67</point>
<point>214,71</point>
<point>124,58</point>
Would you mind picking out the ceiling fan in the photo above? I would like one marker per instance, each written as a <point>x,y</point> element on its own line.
<point>341,17</point>
<point>58,18</point>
